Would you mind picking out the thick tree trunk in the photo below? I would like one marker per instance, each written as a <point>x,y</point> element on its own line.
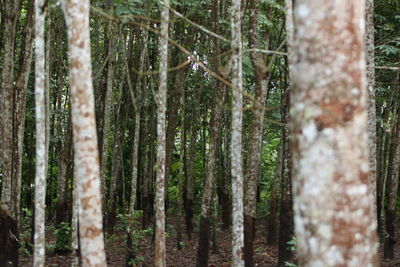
<point>7,105</point>
<point>332,203</point>
<point>160,250</point>
<point>236,138</point>
<point>86,154</point>
<point>41,126</point>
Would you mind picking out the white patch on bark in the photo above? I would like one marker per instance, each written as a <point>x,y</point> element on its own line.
<point>330,153</point>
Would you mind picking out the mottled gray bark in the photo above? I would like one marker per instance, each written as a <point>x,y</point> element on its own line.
<point>86,154</point>
<point>160,250</point>
<point>41,125</point>
<point>236,138</point>
<point>371,130</point>
<point>332,203</point>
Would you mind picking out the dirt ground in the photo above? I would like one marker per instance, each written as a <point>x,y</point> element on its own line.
<point>265,256</point>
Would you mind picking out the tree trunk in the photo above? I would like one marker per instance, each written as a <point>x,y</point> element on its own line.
<point>272,220</point>
<point>371,130</point>
<point>332,203</point>
<point>7,105</point>
<point>159,259</point>
<point>20,91</point>
<point>256,136</point>
<point>286,224</point>
<point>392,182</point>
<point>41,126</point>
<point>236,138</point>
<point>86,154</point>
<point>192,158</point>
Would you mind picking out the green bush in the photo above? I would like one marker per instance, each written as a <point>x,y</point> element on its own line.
<point>63,235</point>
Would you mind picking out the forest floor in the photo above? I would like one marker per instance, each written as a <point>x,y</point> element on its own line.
<point>265,256</point>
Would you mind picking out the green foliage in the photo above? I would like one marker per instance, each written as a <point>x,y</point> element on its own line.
<point>292,247</point>
<point>63,235</point>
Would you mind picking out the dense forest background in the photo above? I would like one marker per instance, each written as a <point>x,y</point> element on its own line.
<point>201,91</point>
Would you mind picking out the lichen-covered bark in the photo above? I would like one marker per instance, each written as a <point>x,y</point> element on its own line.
<point>159,259</point>
<point>256,135</point>
<point>236,138</point>
<point>371,129</point>
<point>332,204</point>
<point>86,154</point>
<point>41,150</point>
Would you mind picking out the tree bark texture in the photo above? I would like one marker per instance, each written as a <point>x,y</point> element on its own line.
<point>371,122</point>
<point>236,138</point>
<point>86,154</point>
<point>41,150</point>
<point>256,135</point>
<point>7,104</point>
<point>159,259</point>
<point>332,203</point>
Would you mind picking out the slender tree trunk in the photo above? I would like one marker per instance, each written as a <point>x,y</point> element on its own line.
<point>192,158</point>
<point>41,150</point>
<point>256,136</point>
<point>236,143</point>
<point>383,148</point>
<point>20,91</point>
<point>159,259</point>
<point>392,182</point>
<point>286,224</point>
<point>106,115</point>
<point>332,203</point>
<point>371,130</point>
<point>272,220</point>
<point>86,154</point>
<point>181,176</point>
<point>227,176</point>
